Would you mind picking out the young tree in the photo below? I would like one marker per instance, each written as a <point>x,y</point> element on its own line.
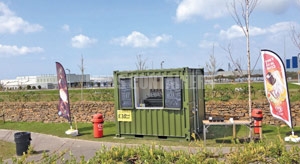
<point>211,67</point>
<point>238,70</point>
<point>141,62</point>
<point>241,17</point>
<point>295,36</point>
<point>82,76</point>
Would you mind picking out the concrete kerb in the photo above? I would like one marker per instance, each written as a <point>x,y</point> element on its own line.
<point>54,145</point>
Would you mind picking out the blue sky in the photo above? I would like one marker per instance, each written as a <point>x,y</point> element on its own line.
<point>109,35</point>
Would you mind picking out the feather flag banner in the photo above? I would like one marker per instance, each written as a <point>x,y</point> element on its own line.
<point>276,88</point>
<point>64,105</point>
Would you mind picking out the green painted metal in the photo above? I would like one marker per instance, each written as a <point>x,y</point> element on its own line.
<point>167,122</point>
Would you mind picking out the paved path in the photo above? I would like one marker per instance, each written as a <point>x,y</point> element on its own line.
<point>52,144</point>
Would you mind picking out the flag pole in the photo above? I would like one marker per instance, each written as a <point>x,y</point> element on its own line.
<point>276,89</point>
<point>64,100</point>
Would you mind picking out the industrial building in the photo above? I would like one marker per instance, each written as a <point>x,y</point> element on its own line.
<point>49,81</point>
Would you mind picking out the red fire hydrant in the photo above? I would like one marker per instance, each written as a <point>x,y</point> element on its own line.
<point>98,125</point>
<point>257,115</point>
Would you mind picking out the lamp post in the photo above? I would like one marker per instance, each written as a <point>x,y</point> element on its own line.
<point>161,64</point>
<point>68,78</point>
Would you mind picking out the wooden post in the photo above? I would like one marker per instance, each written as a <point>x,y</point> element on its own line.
<point>233,130</point>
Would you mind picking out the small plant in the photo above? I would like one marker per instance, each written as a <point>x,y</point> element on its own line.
<point>30,150</point>
<point>225,98</point>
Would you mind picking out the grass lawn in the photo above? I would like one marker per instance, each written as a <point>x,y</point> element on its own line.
<point>107,94</point>
<point>215,135</point>
<point>86,132</point>
<point>223,134</point>
<point>219,136</point>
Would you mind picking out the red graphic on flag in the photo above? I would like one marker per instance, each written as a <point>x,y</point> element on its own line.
<point>276,86</point>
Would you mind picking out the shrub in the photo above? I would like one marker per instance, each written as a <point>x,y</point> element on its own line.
<point>253,152</point>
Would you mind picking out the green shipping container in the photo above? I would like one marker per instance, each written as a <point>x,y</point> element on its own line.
<point>165,103</point>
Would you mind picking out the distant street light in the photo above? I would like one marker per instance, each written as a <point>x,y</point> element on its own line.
<point>68,78</point>
<point>161,64</point>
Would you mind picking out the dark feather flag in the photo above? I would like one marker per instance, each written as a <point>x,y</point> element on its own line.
<point>64,105</point>
<point>276,86</point>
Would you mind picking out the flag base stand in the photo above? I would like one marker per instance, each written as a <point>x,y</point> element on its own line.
<point>293,138</point>
<point>72,132</point>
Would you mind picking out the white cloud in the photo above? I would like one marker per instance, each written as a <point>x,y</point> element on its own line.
<point>10,23</point>
<point>211,9</point>
<point>235,31</point>
<point>6,50</point>
<point>217,26</point>
<point>207,44</point>
<point>66,27</point>
<point>180,44</point>
<point>82,41</point>
<point>137,39</point>
<point>277,7</point>
<point>298,2</point>
<point>281,26</point>
<point>187,9</point>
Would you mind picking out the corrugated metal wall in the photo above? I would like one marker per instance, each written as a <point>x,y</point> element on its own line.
<point>166,122</point>
<point>154,122</point>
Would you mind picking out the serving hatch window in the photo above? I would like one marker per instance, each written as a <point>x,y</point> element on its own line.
<point>148,92</point>
<point>157,92</point>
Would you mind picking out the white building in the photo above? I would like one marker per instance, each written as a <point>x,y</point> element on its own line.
<point>44,81</point>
